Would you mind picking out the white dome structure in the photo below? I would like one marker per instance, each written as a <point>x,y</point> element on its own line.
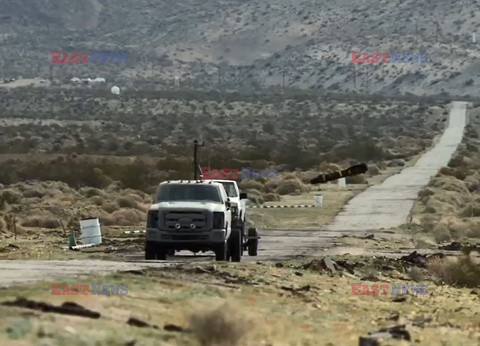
<point>115,90</point>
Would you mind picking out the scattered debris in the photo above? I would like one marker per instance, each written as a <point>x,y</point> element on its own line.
<point>174,328</point>
<point>369,236</point>
<point>420,321</point>
<point>305,288</point>
<point>67,308</point>
<point>394,317</point>
<point>321,265</point>
<point>399,299</point>
<point>416,259</point>
<point>135,272</point>
<point>369,277</point>
<point>135,322</point>
<point>79,247</point>
<point>453,246</point>
<point>375,339</point>
<point>298,274</point>
<point>208,270</point>
<point>347,266</point>
<point>279,265</point>
<point>419,260</point>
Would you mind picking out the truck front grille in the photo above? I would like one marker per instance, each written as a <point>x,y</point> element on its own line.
<point>186,220</point>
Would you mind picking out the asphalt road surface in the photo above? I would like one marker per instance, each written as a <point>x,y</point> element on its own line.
<point>388,204</point>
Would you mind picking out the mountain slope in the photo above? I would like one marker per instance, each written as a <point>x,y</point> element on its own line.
<point>243,44</point>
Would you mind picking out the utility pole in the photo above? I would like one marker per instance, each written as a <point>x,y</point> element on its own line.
<point>195,164</point>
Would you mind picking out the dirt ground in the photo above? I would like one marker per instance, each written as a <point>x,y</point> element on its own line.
<point>298,291</point>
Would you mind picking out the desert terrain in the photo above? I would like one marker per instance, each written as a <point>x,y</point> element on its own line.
<point>389,257</point>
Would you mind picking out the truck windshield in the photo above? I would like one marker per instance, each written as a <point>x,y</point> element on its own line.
<point>230,188</point>
<point>180,192</point>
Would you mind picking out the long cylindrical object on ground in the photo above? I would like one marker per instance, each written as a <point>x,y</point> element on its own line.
<point>351,171</point>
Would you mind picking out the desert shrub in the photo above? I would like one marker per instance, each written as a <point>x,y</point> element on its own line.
<point>127,217</point>
<point>248,184</point>
<point>127,202</point>
<point>328,167</point>
<point>441,233</point>
<point>97,200</point>
<point>463,271</point>
<point>223,326</point>
<point>396,163</point>
<point>41,222</point>
<point>456,161</point>
<point>271,185</point>
<point>449,184</point>
<point>426,192</point>
<point>416,274</point>
<point>271,197</point>
<point>33,193</point>
<point>110,207</point>
<point>91,192</point>
<point>373,170</point>
<point>356,179</point>
<point>3,225</point>
<point>472,182</point>
<point>255,196</point>
<point>382,166</point>
<point>11,196</point>
<point>291,186</point>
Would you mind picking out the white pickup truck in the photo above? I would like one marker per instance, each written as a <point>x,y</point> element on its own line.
<point>194,215</point>
<point>233,192</point>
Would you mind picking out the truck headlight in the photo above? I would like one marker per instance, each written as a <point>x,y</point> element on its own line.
<point>218,220</point>
<point>152,219</point>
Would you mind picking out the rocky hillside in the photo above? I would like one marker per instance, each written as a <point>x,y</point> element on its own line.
<point>233,44</point>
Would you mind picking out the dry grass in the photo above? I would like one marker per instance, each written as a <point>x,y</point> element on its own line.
<point>3,225</point>
<point>291,186</point>
<point>223,326</point>
<point>325,314</point>
<point>459,271</point>
<point>333,201</point>
<point>43,222</point>
<point>43,204</point>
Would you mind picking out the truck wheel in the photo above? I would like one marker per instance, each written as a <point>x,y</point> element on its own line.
<point>221,252</point>
<point>252,243</point>
<point>235,245</point>
<point>150,251</point>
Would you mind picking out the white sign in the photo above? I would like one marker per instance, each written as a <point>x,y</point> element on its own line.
<point>318,200</point>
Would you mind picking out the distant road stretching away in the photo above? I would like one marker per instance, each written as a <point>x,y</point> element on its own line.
<point>389,204</point>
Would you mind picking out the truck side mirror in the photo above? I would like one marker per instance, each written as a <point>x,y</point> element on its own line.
<point>243,195</point>
<point>228,204</point>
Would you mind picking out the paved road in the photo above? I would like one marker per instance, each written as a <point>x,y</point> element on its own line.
<point>20,272</point>
<point>274,245</point>
<point>388,204</point>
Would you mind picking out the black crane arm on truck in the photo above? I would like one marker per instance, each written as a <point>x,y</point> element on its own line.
<point>351,171</point>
